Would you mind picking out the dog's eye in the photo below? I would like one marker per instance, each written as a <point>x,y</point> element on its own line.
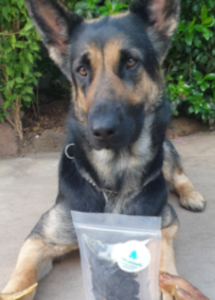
<point>131,62</point>
<point>82,71</point>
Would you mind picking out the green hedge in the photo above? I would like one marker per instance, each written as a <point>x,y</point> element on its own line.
<point>19,52</point>
<point>189,66</point>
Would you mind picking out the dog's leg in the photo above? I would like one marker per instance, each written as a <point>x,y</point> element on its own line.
<point>189,197</point>
<point>173,174</point>
<point>53,236</point>
<point>167,262</point>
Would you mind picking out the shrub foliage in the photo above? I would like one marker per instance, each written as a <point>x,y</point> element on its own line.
<point>190,64</point>
<point>19,52</point>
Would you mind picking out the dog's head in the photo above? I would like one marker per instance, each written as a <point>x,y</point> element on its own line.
<point>113,63</point>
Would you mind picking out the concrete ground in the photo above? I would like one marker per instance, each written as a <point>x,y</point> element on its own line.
<point>28,187</point>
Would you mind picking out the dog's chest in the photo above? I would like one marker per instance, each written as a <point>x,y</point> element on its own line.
<point>118,172</point>
<point>123,170</point>
<point>121,179</point>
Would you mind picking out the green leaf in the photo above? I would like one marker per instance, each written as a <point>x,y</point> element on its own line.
<point>25,69</point>
<point>26,98</point>
<point>207,33</point>
<point>9,71</point>
<point>10,84</point>
<point>204,13</point>
<point>174,69</point>
<point>210,76</point>
<point>181,26</point>
<point>13,40</point>
<point>19,80</point>
<point>120,6</point>
<point>197,42</point>
<point>196,109</point>
<point>198,57</point>
<point>34,80</point>
<point>20,4</point>
<point>203,86</point>
<point>5,12</point>
<point>197,74</point>
<point>8,49</point>
<point>189,38</point>
<point>2,117</point>
<point>192,22</point>
<point>20,44</point>
<point>209,21</point>
<point>27,26</point>
<point>199,28</point>
<point>14,96</point>
<point>30,57</point>
<point>190,109</point>
<point>38,74</point>
<point>28,89</point>
<point>34,46</point>
<point>210,4</point>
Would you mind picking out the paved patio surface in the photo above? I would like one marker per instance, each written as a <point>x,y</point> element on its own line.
<point>28,188</point>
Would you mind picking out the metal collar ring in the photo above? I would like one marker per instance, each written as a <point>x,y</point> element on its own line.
<point>66,151</point>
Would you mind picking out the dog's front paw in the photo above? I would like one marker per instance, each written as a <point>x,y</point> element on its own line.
<point>26,294</point>
<point>193,201</point>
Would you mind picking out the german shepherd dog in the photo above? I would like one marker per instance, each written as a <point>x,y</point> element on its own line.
<point>115,158</point>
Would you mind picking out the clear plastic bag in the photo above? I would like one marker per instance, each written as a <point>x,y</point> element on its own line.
<point>120,255</point>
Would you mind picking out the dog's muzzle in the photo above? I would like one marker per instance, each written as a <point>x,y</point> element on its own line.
<point>104,126</point>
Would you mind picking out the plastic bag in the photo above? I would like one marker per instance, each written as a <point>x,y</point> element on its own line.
<point>120,255</point>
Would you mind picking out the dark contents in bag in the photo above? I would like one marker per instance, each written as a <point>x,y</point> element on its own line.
<point>110,282</point>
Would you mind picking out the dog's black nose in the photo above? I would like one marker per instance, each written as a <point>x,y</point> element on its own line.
<point>104,123</point>
<point>104,130</point>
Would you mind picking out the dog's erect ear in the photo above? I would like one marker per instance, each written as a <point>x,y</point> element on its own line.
<point>161,19</point>
<point>55,25</point>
